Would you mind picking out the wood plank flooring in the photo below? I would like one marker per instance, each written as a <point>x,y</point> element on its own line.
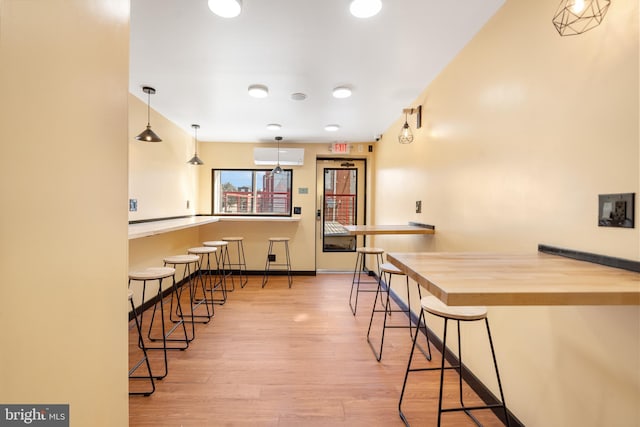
<point>293,357</point>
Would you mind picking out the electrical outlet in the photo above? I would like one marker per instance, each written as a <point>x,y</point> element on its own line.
<point>272,257</point>
<point>418,206</point>
<point>133,205</point>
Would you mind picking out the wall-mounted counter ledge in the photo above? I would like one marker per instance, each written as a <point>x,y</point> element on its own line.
<point>388,229</point>
<point>467,278</point>
<point>151,228</point>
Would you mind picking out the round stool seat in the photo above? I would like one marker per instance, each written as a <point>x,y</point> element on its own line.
<point>370,251</point>
<point>202,250</point>
<point>279,239</point>
<point>181,259</point>
<point>233,239</point>
<point>215,243</point>
<point>387,267</point>
<point>152,273</point>
<point>434,306</point>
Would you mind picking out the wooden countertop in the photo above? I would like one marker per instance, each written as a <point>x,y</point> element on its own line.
<point>467,278</point>
<point>354,230</point>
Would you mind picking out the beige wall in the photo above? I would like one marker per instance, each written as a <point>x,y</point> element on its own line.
<point>63,250</point>
<point>162,182</point>
<point>521,133</point>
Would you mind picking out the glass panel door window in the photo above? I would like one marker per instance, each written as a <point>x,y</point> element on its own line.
<point>339,208</point>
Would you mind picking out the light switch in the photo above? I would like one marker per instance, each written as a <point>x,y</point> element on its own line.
<point>419,206</point>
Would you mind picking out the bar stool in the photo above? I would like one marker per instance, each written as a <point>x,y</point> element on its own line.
<point>201,251</point>
<point>437,308</point>
<point>144,359</point>
<point>223,261</point>
<point>186,261</point>
<point>387,271</point>
<point>361,255</point>
<point>271,254</point>
<point>160,273</point>
<point>242,263</point>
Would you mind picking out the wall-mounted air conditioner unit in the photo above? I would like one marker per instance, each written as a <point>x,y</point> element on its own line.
<point>269,156</point>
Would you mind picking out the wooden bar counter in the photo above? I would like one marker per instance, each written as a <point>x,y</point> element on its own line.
<point>466,278</point>
<point>357,230</point>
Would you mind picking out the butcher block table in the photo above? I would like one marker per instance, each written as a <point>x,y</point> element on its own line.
<point>472,278</point>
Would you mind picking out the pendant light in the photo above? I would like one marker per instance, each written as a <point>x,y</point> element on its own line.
<point>278,169</point>
<point>195,160</point>
<point>575,17</point>
<point>147,134</point>
<point>406,136</point>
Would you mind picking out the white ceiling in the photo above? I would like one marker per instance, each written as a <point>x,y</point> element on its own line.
<point>201,64</point>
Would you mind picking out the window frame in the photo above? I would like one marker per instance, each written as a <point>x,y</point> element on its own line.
<point>254,172</point>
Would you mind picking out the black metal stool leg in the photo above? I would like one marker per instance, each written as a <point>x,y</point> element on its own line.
<point>386,310</point>
<point>144,359</point>
<point>421,319</point>
<point>286,249</point>
<point>495,365</point>
<point>226,262</point>
<point>267,265</point>
<point>356,270</point>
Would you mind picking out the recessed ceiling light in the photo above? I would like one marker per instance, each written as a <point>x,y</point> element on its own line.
<point>341,92</point>
<point>298,96</point>
<point>274,126</point>
<point>331,128</point>
<point>226,8</point>
<point>258,91</point>
<point>365,8</point>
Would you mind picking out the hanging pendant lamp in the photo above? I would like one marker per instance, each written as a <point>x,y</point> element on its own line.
<point>278,169</point>
<point>575,17</point>
<point>195,160</point>
<point>405,137</point>
<point>148,135</point>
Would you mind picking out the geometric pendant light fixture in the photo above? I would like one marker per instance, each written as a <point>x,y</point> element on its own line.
<point>406,136</point>
<point>195,160</point>
<point>575,17</point>
<point>147,134</point>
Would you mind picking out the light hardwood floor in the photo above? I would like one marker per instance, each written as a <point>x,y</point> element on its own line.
<point>293,357</point>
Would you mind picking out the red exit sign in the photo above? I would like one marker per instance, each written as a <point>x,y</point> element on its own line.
<point>340,147</point>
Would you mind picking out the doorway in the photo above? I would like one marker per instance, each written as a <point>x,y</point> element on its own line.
<point>341,201</point>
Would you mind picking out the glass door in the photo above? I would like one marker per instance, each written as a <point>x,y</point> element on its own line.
<point>341,203</point>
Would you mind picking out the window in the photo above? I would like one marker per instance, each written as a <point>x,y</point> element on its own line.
<point>251,192</point>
